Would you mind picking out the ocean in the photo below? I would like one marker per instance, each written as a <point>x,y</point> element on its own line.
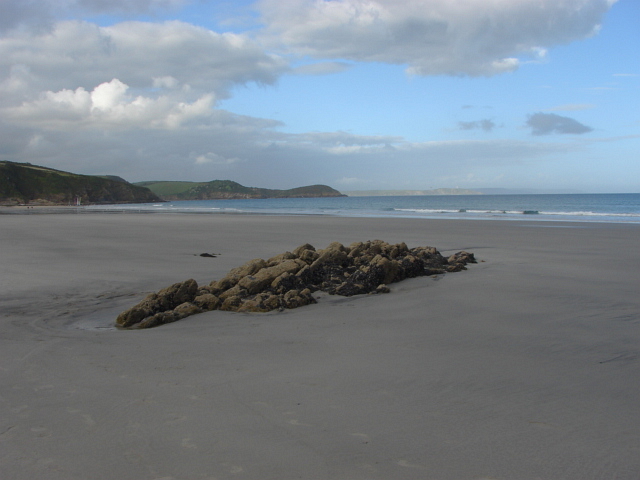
<point>616,208</point>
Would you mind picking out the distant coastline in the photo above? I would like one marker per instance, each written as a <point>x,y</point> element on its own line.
<point>458,191</point>
<point>403,193</point>
<point>34,185</point>
<point>230,190</point>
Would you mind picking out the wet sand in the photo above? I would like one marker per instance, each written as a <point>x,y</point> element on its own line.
<point>525,366</point>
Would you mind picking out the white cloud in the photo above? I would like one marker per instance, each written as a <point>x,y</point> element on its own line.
<point>345,139</point>
<point>14,13</point>
<point>143,55</point>
<point>548,123</point>
<point>107,106</point>
<point>167,81</point>
<point>344,149</point>
<point>432,37</point>
<point>119,6</point>
<point>212,158</point>
<point>40,14</point>
<point>133,75</point>
<point>108,95</point>
<point>485,124</point>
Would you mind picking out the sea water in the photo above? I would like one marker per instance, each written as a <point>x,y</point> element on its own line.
<point>617,208</point>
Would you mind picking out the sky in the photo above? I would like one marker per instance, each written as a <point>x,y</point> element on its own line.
<point>355,94</point>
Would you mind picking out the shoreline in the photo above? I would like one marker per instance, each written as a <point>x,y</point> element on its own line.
<point>523,366</point>
<point>615,209</point>
<point>81,210</point>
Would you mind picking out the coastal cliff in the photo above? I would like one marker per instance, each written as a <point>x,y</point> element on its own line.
<point>23,183</point>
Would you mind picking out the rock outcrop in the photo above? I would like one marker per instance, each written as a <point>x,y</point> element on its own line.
<point>288,280</point>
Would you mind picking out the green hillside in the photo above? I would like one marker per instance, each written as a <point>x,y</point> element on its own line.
<point>227,189</point>
<point>168,188</point>
<point>23,183</point>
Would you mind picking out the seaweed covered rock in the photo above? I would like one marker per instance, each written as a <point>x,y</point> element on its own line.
<point>165,300</point>
<point>289,279</point>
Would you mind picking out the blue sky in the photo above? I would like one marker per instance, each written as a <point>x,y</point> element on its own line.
<point>356,94</point>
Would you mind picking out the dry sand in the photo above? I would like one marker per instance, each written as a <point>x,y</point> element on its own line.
<point>525,366</point>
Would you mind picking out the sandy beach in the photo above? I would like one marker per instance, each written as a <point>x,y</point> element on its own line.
<point>525,366</point>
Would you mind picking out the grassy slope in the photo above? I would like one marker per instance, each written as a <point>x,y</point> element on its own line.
<point>164,188</point>
<point>229,189</point>
<point>25,183</point>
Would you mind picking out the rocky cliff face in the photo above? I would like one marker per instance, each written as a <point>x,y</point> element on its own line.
<point>23,183</point>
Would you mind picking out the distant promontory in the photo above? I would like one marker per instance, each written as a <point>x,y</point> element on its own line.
<point>228,189</point>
